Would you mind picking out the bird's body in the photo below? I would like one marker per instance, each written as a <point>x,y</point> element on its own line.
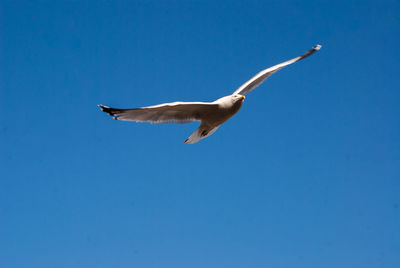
<point>211,114</point>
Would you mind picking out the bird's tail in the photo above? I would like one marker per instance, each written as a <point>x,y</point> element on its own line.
<point>200,133</point>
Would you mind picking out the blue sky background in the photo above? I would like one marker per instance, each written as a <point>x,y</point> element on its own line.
<point>307,174</point>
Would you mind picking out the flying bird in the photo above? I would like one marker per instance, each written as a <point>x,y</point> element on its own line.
<point>211,114</point>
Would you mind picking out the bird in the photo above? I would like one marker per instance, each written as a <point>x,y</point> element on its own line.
<point>210,114</point>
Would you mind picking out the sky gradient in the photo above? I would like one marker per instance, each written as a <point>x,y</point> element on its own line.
<point>307,174</point>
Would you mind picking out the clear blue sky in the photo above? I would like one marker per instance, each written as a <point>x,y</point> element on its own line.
<point>307,174</point>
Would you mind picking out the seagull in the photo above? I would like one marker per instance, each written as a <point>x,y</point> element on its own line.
<point>211,114</point>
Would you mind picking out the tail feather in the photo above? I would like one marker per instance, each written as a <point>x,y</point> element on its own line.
<point>200,133</point>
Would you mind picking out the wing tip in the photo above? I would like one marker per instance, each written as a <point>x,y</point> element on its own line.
<point>108,110</point>
<point>103,107</point>
<point>317,47</point>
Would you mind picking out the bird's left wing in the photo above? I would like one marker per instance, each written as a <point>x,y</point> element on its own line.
<point>174,112</point>
<point>256,80</point>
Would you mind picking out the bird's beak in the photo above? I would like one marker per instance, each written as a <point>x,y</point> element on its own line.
<point>242,97</point>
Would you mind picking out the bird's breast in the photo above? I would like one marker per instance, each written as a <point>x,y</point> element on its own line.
<point>225,112</point>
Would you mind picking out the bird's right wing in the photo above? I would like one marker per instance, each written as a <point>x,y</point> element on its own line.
<point>174,112</point>
<point>256,80</point>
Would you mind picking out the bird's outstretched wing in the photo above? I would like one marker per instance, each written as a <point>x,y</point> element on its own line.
<point>174,112</point>
<point>256,80</point>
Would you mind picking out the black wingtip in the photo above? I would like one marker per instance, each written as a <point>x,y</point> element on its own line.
<point>102,107</point>
<point>106,109</point>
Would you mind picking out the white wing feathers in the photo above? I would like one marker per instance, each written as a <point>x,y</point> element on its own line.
<point>256,80</point>
<point>174,112</point>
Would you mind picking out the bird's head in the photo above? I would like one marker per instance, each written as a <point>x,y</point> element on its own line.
<point>230,101</point>
<point>238,98</point>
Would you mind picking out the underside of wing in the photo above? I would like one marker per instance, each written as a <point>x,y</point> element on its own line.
<point>174,112</point>
<point>256,80</point>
